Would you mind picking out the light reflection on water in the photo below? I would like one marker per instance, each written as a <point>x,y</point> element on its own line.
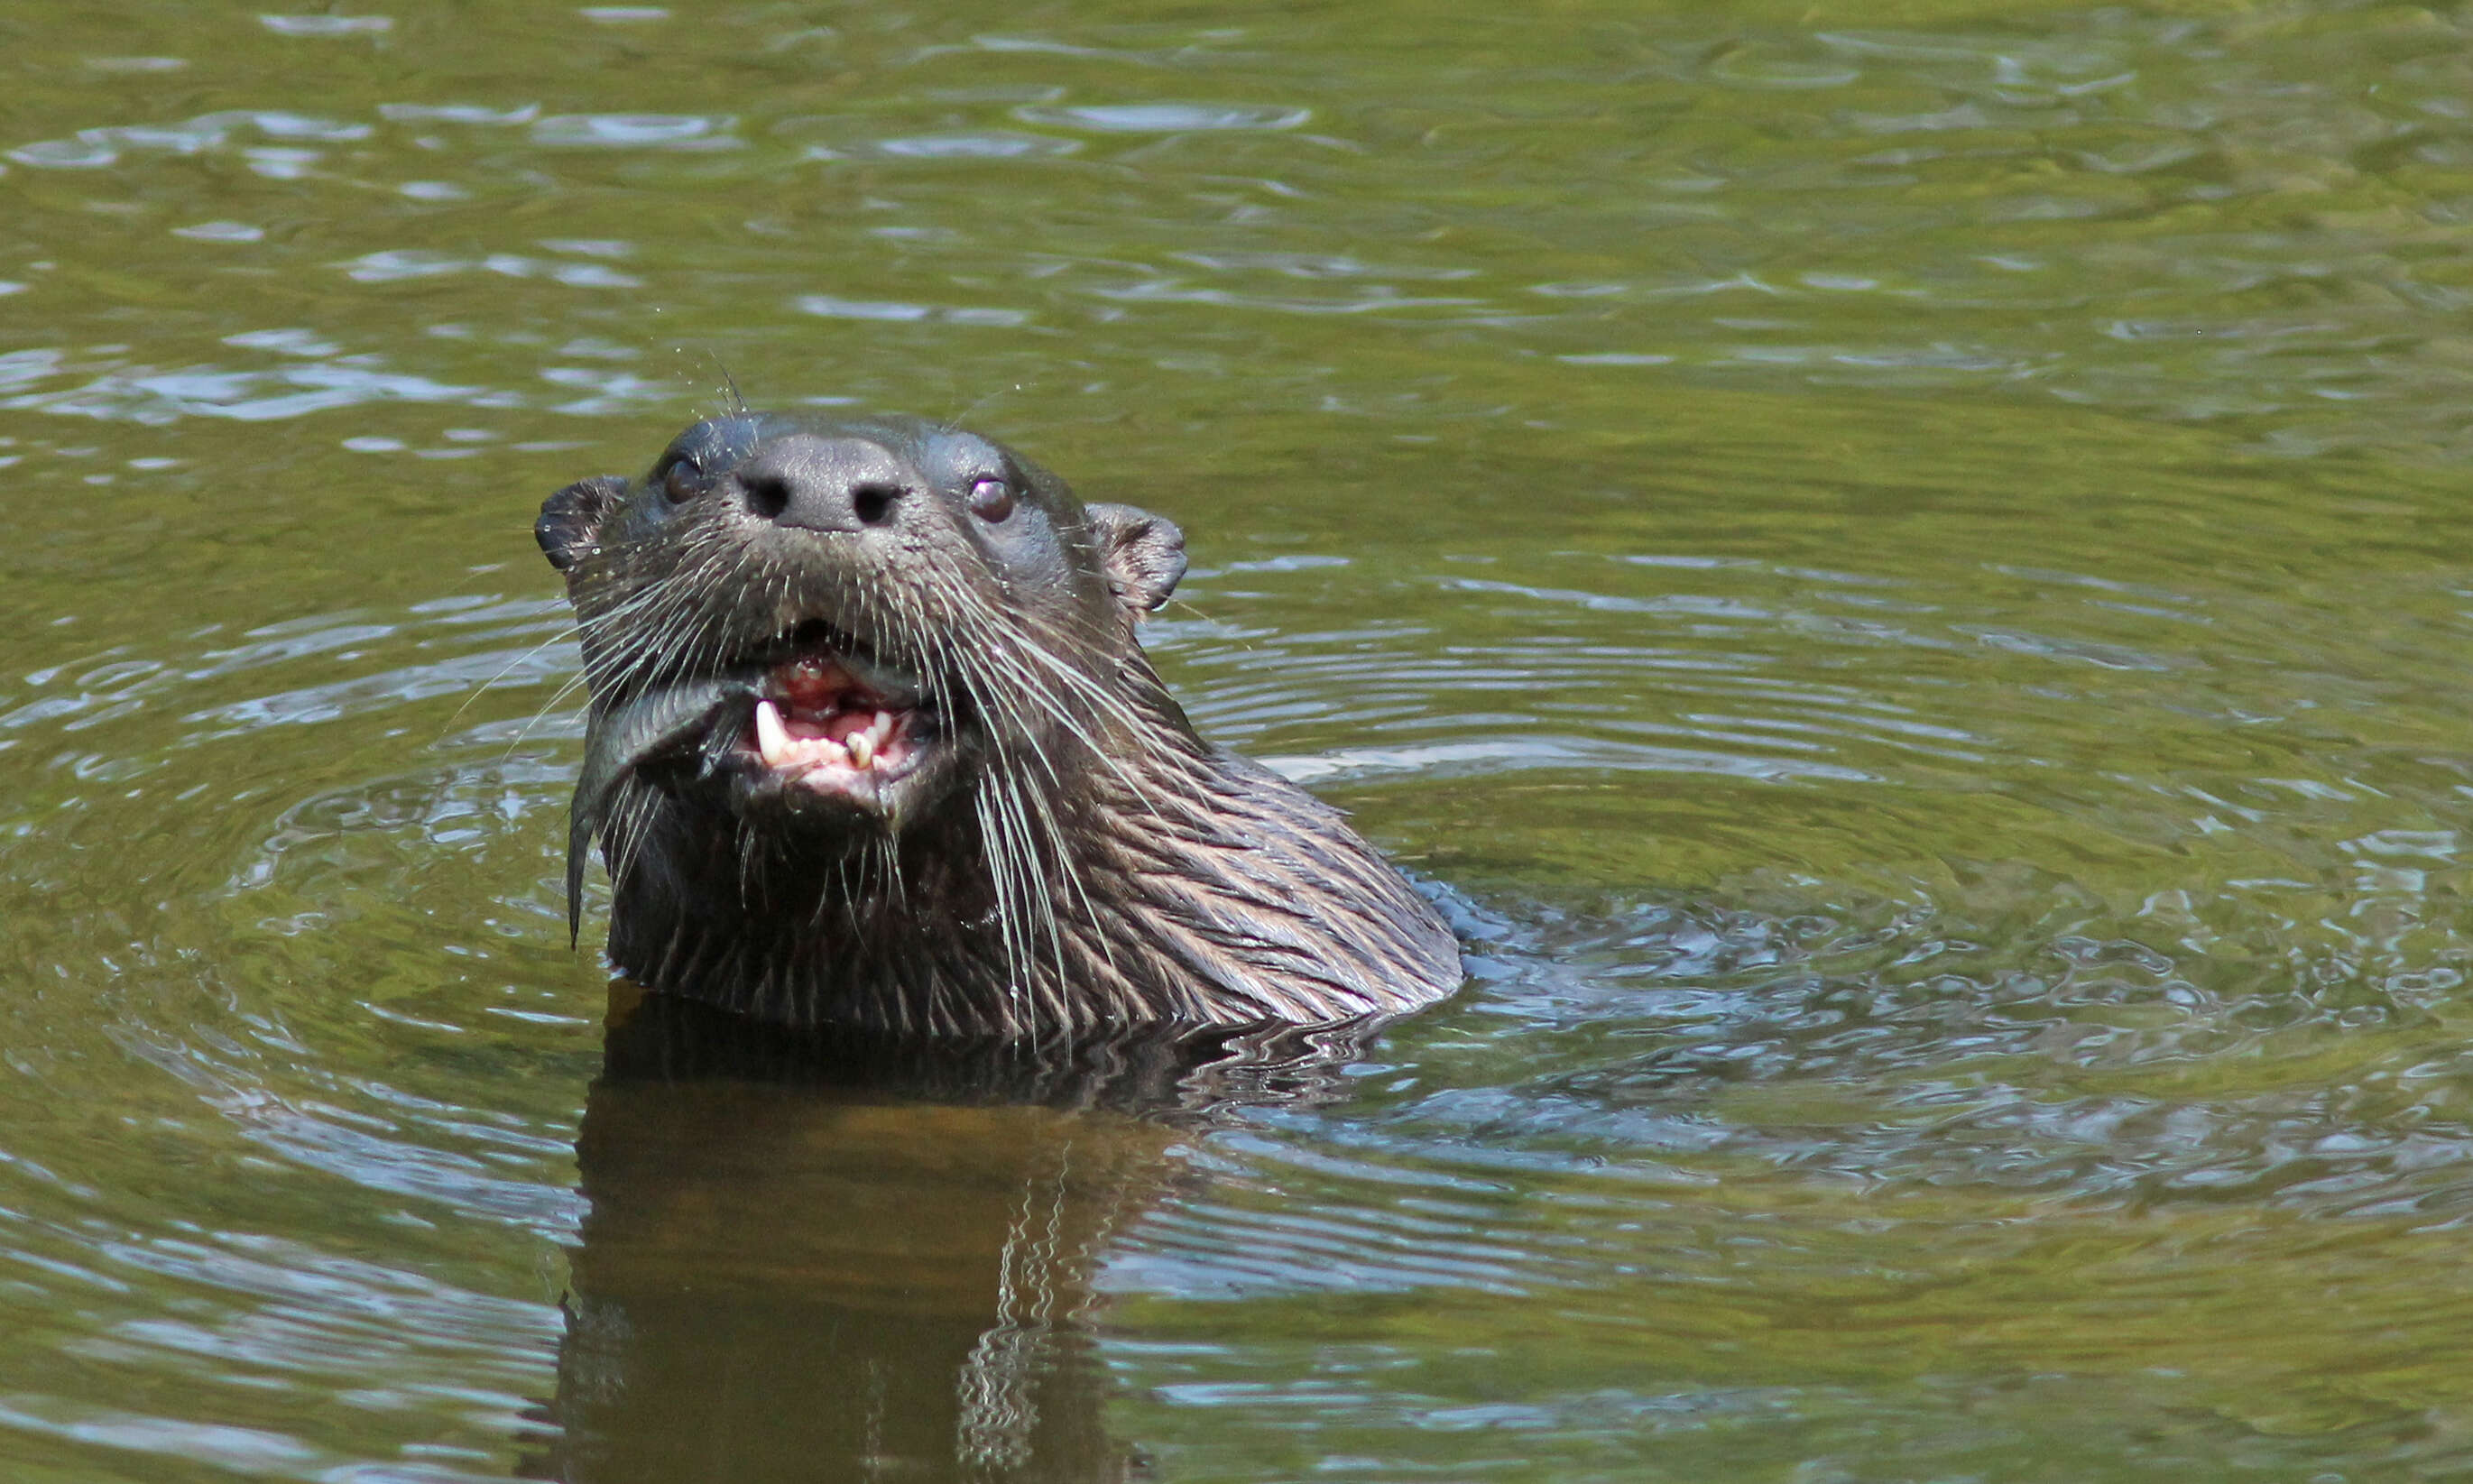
<point>1901,581</point>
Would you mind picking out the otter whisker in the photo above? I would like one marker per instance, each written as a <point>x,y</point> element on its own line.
<point>566,632</point>
<point>567,687</point>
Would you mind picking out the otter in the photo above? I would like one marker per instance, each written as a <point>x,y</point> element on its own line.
<point>873,743</point>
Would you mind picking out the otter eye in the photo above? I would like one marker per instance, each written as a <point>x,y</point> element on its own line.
<point>991,501</point>
<point>683,483</point>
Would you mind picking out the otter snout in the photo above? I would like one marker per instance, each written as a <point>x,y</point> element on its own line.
<point>823,484</point>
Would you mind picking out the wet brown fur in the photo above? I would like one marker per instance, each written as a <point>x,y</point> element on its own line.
<point>1084,862</point>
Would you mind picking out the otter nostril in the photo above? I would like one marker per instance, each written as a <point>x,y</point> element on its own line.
<point>768,496</point>
<point>872,504</point>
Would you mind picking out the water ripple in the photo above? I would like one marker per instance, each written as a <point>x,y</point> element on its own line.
<point>1163,118</point>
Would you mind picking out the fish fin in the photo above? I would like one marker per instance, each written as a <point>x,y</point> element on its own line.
<point>579,845</point>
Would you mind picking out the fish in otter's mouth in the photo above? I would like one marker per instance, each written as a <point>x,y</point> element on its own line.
<point>873,740</point>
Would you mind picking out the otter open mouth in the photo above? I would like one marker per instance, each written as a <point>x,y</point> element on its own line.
<point>827,722</point>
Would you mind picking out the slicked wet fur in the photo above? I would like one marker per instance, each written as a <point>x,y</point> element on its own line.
<point>873,743</point>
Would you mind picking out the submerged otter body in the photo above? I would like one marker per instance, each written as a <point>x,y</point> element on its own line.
<point>872,744</point>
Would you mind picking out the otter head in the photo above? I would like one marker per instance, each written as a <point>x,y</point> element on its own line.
<point>872,743</point>
<point>829,628</point>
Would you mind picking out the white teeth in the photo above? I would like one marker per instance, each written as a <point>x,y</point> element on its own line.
<point>783,751</point>
<point>772,738</point>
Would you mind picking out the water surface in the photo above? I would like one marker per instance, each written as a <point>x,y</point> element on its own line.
<point>1904,565</point>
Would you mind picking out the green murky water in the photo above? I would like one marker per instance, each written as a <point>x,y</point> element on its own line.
<point>1907,561</point>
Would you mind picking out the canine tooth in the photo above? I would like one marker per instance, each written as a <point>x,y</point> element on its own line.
<point>880,729</point>
<point>772,738</point>
<point>862,749</point>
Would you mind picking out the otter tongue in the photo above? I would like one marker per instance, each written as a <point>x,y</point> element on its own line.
<point>820,697</point>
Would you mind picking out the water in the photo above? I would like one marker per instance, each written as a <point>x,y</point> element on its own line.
<point>1906,566</point>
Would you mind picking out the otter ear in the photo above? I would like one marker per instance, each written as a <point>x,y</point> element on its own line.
<point>569,526</point>
<point>1145,554</point>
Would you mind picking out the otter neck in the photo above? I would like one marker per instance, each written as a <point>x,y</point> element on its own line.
<point>1178,900</point>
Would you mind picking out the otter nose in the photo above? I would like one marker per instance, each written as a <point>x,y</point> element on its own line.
<point>823,484</point>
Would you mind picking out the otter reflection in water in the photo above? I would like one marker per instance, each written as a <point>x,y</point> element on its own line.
<point>872,744</point>
<point>837,1256</point>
